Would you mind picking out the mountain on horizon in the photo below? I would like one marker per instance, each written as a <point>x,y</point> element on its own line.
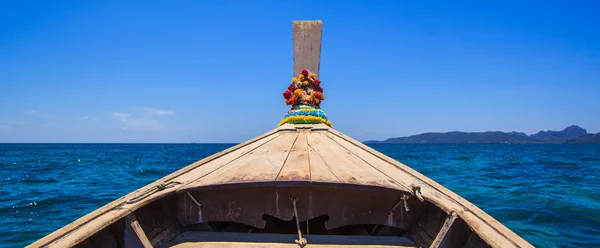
<point>571,134</point>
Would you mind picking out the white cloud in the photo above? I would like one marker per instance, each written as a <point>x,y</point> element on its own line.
<point>154,111</point>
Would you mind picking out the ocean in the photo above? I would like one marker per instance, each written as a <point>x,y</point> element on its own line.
<point>547,194</point>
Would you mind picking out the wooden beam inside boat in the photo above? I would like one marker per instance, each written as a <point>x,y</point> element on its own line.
<point>307,45</point>
<point>134,234</point>
<point>255,240</point>
<point>442,234</point>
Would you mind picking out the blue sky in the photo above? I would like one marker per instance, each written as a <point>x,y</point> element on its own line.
<point>214,71</point>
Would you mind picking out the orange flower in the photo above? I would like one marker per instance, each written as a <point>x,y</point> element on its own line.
<point>319,96</point>
<point>312,75</point>
<point>304,83</point>
<point>294,80</point>
<point>297,91</point>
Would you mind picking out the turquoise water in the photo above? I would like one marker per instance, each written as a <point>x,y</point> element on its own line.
<point>548,194</point>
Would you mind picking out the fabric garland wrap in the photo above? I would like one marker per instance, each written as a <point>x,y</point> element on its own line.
<point>305,95</point>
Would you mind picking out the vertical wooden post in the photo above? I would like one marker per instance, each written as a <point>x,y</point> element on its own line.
<point>306,36</point>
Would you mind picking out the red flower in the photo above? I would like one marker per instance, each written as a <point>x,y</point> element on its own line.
<point>305,72</point>
<point>317,88</point>
<point>292,87</point>
<point>291,100</point>
<point>317,82</point>
<point>287,94</point>
<point>319,96</point>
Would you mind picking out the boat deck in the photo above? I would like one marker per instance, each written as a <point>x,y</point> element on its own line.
<point>260,240</point>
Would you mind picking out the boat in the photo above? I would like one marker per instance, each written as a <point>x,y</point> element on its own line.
<point>302,184</point>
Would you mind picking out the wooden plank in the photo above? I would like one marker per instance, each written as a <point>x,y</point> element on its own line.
<point>272,245</point>
<point>420,237</point>
<point>442,234</point>
<point>198,174</point>
<point>264,239</point>
<point>297,166</point>
<point>260,165</point>
<point>134,234</point>
<point>319,171</point>
<point>102,239</point>
<point>428,225</point>
<point>306,36</point>
<point>345,166</point>
<point>458,235</point>
<point>380,165</point>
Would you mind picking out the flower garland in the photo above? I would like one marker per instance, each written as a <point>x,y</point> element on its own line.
<point>304,90</point>
<point>305,95</point>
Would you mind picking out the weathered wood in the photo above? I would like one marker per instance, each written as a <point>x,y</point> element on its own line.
<point>270,245</point>
<point>345,166</point>
<point>319,171</point>
<point>442,234</point>
<point>159,220</point>
<point>343,206</point>
<point>427,227</point>
<point>197,176</point>
<point>297,164</point>
<point>111,237</point>
<point>307,45</point>
<point>458,235</point>
<point>135,236</point>
<point>283,240</point>
<point>260,165</point>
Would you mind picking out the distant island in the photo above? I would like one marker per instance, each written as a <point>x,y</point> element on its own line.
<point>573,135</point>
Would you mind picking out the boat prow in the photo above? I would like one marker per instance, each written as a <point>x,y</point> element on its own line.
<point>338,190</point>
<point>297,185</point>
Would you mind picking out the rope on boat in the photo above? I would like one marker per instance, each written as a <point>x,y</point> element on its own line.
<point>300,241</point>
<point>403,199</point>
<point>150,191</point>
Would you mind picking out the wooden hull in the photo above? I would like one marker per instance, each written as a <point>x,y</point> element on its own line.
<point>345,194</point>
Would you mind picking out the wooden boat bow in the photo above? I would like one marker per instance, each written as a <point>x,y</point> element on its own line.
<point>306,178</point>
